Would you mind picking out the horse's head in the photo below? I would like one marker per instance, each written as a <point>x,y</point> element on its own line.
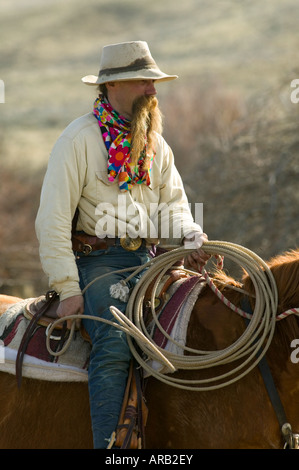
<point>285,269</point>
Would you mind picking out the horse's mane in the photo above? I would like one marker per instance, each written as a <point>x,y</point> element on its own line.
<point>285,269</point>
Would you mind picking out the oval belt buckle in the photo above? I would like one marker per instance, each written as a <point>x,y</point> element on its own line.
<point>130,244</point>
<point>86,249</point>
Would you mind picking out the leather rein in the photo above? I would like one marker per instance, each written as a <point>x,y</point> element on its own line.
<point>291,439</point>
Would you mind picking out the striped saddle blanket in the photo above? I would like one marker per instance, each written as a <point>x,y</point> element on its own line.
<point>175,300</point>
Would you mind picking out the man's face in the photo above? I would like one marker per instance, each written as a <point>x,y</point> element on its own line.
<point>123,93</point>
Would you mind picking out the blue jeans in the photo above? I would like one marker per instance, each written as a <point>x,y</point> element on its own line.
<point>110,354</point>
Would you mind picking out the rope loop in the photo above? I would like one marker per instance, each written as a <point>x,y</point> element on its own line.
<point>250,347</point>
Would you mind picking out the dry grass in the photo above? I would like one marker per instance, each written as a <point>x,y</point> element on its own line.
<point>229,118</point>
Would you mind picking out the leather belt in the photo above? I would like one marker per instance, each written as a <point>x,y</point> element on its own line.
<point>84,243</point>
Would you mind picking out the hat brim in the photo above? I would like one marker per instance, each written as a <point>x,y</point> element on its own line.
<point>146,74</point>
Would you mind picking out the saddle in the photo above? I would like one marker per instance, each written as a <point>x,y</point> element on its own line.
<point>162,295</point>
<point>42,311</point>
<point>47,303</point>
<point>44,308</point>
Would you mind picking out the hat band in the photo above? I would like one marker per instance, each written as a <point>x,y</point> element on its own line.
<point>138,64</point>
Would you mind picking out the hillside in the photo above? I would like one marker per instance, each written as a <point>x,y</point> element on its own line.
<point>228,118</point>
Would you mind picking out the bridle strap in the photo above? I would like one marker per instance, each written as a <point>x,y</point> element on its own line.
<point>270,385</point>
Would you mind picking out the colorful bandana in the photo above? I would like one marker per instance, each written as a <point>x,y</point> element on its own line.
<point>116,132</point>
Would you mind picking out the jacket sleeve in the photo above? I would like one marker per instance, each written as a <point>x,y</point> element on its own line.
<point>60,194</point>
<point>176,220</point>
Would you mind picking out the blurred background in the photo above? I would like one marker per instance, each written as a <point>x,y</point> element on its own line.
<point>229,118</point>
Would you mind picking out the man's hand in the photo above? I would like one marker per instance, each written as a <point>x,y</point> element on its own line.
<point>72,306</point>
<point>197,258</point>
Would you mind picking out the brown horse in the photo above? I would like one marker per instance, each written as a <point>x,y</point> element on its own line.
<point>56,415</point>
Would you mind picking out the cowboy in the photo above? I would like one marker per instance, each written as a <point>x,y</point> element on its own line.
<point>115,150</point>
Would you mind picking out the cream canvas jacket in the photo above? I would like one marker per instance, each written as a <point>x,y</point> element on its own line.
<point>77,177</point>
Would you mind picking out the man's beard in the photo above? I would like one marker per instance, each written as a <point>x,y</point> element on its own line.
<point>145,123</point>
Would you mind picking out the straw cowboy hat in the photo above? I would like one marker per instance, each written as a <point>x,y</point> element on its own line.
<point>127,61</point>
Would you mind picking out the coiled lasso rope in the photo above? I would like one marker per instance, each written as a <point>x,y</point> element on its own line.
<point>250,347</point>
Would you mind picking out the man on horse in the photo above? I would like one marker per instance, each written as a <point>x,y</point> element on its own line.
<point>109,172</point>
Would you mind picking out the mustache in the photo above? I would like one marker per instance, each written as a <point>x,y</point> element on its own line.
<point>144,104</point>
